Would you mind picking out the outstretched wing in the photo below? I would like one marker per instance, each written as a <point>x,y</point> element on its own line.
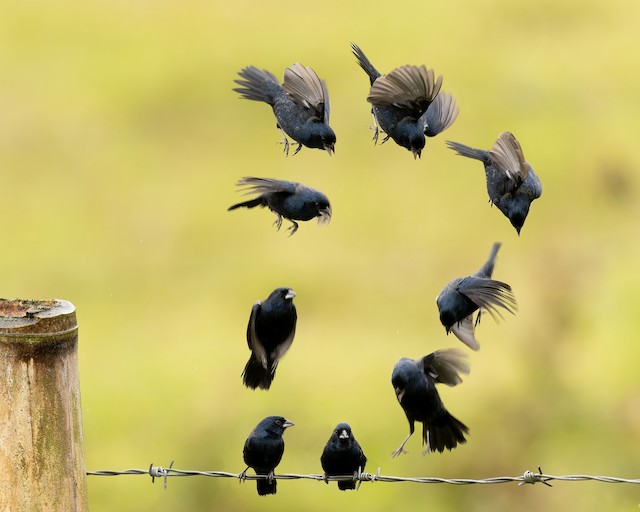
<point>440,114</point>
<point>266,185</point>
<point>489,294</point>
<point>304,87</point>
<point>445,366</point>
<point>508,158</point>
<point>412,87</point>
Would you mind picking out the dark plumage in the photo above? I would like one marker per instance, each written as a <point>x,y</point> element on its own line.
<point>287,199</point>
<point>263,451</point>
<point>407,103</point>
<point>300,104</point>
<point>271,329</point>
<point>414,383</point>
<point>511,183</point>
<point>343,456</point>
<point>460,298</point>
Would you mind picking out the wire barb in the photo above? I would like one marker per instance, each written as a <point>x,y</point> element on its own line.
<point>534,478</point>
<point>159,472</point>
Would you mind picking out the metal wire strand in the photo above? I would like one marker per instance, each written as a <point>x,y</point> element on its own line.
<point>527,477</point>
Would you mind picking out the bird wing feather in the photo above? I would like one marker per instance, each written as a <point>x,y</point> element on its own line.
<point>414,87</point>
<point>508,157</point>
<point>445,366</point>
<point>266,185</point>
<point>489,294</point>
<point>464,330</point>
<point>305,88</point>
<point>252,336</point>
<point>440,114</point>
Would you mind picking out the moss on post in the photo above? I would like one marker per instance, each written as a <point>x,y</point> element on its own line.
<point>41,449</point>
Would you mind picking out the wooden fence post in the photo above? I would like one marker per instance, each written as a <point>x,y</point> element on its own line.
<point>41,452</point>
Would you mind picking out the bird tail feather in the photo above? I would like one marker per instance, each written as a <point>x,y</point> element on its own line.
<point>469,152</point>
<point>258,85</point>
<point>365,63</point>
<point>266,486</point>
<point>343,485</point>
<point>255,376</point>
<point>444,432</point>
<point>487,269</point>
<point>252,203</point>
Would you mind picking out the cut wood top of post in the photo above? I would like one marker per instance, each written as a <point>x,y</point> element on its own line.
<point>33,318</point>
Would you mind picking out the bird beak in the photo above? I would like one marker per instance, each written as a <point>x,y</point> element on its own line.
<point>290,294</point>
<point>416,153</point>
<point>324,215</point>
<point>330,148</point>
<point>399,394</point>
<point>344,434</point>
<point>287,424</point>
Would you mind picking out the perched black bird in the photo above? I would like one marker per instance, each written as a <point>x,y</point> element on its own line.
<point>287,199</point>
<point>271,329</point>
<point>414,382</point>
<point>460,298</point>
<point>263,451</point>
<point>300,104</point>
<point>342,456</point>
<point>407,103</point>
<point>511,183</point>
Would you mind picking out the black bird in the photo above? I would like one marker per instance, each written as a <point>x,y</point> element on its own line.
<point>414,383</point>
<point>407,103</point>
<point>271,329</point>
<point>263,451</point>
<point>342,456</point>
<point>287,199</point>
<point>300,104</point>
<point>460,298</point>
<point>511,183</point>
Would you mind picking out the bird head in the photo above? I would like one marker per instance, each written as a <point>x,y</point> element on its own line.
<point>411,136</point>
<point>517,211</point>
<point>343,432</point>
<point>324,210</point>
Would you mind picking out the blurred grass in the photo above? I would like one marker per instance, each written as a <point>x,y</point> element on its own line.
<point>121,141</point>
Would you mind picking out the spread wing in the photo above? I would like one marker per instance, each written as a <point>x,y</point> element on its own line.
<point>304,87</point>
<point>508,158</point>
<point>413,87</point>
<point>266,185</point>
<point>489,295</point>
<point>445,366</point>
<point>440,114</point>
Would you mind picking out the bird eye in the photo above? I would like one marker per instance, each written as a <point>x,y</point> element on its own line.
<point>279,422</point>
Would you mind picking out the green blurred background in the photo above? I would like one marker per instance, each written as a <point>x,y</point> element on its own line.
<point>121,141</point>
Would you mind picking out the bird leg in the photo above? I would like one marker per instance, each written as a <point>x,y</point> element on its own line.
<point>376,130</point>
<point>385,139</point>
<point>243,475</point>
<point>278,222</point>
<point>285,141</point>
<point>297,149</point>
<point>293,228</point>
<point>401,447</point>
<point>326,478</point>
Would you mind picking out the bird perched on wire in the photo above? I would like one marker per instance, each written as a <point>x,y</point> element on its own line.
<point>270,333</point>
<point>343,456</point>
<point>300,104</point>
<point>460,298</point>
<point>414,383</point>
<point>263,451</point>
<point>287,199</point>
<point>511,183</point>
<point>407,104</point>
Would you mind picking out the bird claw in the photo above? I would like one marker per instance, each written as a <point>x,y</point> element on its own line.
<point>397,452</point>
<point>243,475</point>
<point>270,476</point>
<point>286,146</point>
<point>297,149</point>
<point>325,477</point>
<point>293,228</point>
<point>278,222</point>
<point>385,139</point>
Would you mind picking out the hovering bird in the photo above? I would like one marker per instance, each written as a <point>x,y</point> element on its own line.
<point>511,183</point>
<point>342,456</point>
<point>270,333</point>
<point>460,298</point>
<point>263,451</point>
<point>414,383</point>
<point>407,103</point>
<point>287,199</point>
<point>300,104</point>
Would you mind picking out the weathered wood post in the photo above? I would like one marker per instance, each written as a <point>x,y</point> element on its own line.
<point>41,452</point>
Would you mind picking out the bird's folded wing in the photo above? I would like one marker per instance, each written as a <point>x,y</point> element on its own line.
<point>445,366</point>
<point>304,87</point>
<point>266,185</point>
<point>252,336</point>
<point>508,157</point>
<point>440,114</point>
<point>489,294</point>
<point>413,87</point>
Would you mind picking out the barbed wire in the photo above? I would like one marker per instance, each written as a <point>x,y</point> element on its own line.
<point>527,477</point>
